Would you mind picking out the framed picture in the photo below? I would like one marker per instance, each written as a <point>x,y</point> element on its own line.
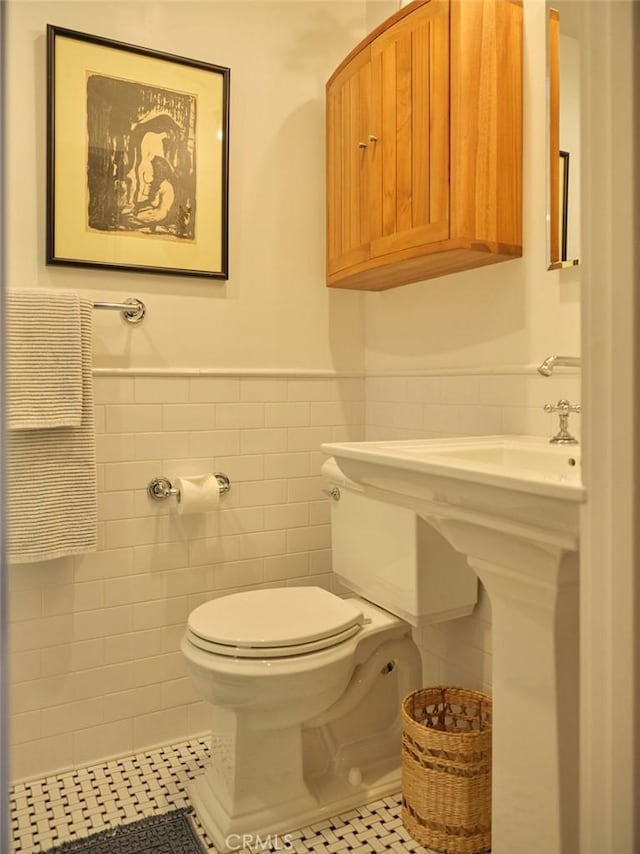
<point>138,158</point>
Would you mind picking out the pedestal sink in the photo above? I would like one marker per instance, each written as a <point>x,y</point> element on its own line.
<point>511,505</point>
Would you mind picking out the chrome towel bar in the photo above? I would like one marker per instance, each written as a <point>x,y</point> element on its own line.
<point>131,309</point>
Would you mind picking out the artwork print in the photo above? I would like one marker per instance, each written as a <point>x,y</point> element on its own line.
<point>141,167</point>
<point>137,158</point>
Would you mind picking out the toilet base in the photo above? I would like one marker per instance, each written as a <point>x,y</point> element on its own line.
<point>329,797</point>
<point>321,736</point>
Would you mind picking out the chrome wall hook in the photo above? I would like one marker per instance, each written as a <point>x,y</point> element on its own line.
<point>161,488</point>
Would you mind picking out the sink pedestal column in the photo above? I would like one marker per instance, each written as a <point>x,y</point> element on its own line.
<point>531,577</point>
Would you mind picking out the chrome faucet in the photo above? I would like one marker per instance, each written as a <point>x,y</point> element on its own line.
<point>563,408</point>
<point>551,362</point>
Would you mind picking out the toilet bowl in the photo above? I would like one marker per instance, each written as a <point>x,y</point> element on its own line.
<point>305,688</point>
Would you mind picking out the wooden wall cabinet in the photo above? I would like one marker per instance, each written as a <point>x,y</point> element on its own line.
<point>424,145</point>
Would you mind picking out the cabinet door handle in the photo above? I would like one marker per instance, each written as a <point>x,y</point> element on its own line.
<point>372,138</point>
<point>362,145</point>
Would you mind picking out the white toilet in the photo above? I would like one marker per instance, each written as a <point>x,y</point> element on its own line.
<point>306,687</point>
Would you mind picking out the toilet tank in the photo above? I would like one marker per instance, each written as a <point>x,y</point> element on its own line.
<point>395,559</point>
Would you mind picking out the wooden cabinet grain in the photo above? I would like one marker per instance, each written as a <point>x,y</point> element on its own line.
<point>424,145</point>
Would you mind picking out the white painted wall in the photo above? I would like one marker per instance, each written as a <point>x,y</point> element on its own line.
<point>509,314</point>
<point>274,312</point>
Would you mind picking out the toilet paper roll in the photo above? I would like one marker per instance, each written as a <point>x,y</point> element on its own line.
<point>197,494</point>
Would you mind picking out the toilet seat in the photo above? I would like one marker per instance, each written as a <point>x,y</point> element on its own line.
<point>273,623</point>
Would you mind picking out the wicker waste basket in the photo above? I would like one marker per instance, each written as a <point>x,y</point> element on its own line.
<point>446,769</point>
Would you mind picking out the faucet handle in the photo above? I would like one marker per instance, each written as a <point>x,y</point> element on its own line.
<point>563,406</point>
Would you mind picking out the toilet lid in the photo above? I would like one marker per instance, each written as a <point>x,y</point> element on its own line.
<point>281,621</point>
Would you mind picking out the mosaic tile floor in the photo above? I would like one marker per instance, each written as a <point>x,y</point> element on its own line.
<point>48,812</point>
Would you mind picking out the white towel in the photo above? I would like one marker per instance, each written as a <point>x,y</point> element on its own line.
<point>44,364</point>
<point>51,506</point>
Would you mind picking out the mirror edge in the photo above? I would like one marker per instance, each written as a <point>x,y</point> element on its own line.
<point>553,150</point>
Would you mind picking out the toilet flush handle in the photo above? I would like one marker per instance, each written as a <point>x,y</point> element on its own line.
<point>334,493</point>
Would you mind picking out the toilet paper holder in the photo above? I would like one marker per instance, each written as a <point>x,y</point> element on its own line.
<point>161,488</point>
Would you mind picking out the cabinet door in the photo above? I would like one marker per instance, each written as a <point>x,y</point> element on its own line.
<point>348,166</point>
<point>410,118</point>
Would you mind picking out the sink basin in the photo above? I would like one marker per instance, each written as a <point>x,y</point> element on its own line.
<point>524,463</point>
<point>518,479</point>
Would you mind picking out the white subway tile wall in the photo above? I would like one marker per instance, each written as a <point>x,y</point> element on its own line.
<point>96,669</point>
<point>95,666</point>
<point>484,404</point>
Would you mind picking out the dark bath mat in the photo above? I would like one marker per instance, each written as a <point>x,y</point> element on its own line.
<point>169,833</point>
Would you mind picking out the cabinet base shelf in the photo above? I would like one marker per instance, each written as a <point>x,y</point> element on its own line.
<point>374,275</point>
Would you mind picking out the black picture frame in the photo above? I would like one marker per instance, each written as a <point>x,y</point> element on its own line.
<point>564,203</point>
<point>137,158</point>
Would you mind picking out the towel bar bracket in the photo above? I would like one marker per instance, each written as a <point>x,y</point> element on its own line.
<point>161,488</point>
<point>131,309</point>
<point>137,311</point>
